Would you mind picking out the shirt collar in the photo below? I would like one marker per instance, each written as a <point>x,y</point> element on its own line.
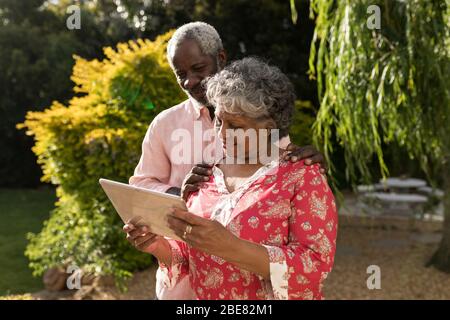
<point>198,109</point>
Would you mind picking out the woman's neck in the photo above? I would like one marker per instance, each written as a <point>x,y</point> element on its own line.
<point>254,160</point>
<point>231,167</point>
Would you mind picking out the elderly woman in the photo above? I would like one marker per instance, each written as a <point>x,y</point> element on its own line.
<point>257,229</point>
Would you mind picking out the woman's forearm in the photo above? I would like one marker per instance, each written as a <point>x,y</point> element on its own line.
<point>250,256</point>
<point>163,253</point>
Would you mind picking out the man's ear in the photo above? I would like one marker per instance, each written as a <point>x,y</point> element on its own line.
<point>222,58</point>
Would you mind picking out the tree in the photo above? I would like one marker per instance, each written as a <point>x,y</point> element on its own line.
<point>36,51</point>
<point>384,86</point>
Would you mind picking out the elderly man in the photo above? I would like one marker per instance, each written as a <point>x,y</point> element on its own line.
<point>195,52</point>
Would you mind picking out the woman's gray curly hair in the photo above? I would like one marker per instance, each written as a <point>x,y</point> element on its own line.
<point>252,88</point>
<point>203,33</point>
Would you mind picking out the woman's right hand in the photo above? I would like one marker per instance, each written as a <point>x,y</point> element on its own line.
<point>141,238</point>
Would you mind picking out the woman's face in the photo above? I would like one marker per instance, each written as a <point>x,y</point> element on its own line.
<point>242,137</point>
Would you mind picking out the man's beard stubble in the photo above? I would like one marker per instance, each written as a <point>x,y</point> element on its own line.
<point>202,84</point>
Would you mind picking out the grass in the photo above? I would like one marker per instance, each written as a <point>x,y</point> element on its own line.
<point>21,211</point>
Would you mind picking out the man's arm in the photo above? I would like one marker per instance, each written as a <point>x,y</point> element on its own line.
<point>154,167</point>
<point>174,190</point>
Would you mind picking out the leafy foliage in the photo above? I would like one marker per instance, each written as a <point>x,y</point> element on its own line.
<point>99,134</point>
<point>36,61</point>
<point>387,86</point>
<point>300,131</point>
<point>380,86</point>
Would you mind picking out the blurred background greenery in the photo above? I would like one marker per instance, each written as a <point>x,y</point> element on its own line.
<point>36,56</point>
<point>91,94</point>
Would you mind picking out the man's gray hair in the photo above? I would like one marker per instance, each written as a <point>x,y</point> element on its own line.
<point>204,34</point>
<point>254,89</point>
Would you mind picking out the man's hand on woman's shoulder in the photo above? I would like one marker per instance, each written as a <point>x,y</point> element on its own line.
<point>199,174</point>
<point>310,154</point>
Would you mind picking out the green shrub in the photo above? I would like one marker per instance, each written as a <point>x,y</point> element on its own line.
<point>301,129</point>
<point>99,134</point>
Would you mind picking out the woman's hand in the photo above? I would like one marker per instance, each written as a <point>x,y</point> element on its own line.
<point>141,238</point>
<point>203,234</point>
<point>211,237</point>
<point>309,153</point>
<point>198,174</point>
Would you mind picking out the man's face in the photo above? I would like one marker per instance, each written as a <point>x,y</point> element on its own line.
<point>191,67</point>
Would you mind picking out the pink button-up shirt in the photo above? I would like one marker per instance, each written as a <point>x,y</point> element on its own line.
<point>172,145</point>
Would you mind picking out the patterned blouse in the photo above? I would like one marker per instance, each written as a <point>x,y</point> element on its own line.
<point>286,207</point>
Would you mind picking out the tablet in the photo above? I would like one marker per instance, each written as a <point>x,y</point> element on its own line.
<point>149,207</point>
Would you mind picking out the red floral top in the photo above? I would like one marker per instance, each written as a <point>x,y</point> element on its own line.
<point>286,207</point>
